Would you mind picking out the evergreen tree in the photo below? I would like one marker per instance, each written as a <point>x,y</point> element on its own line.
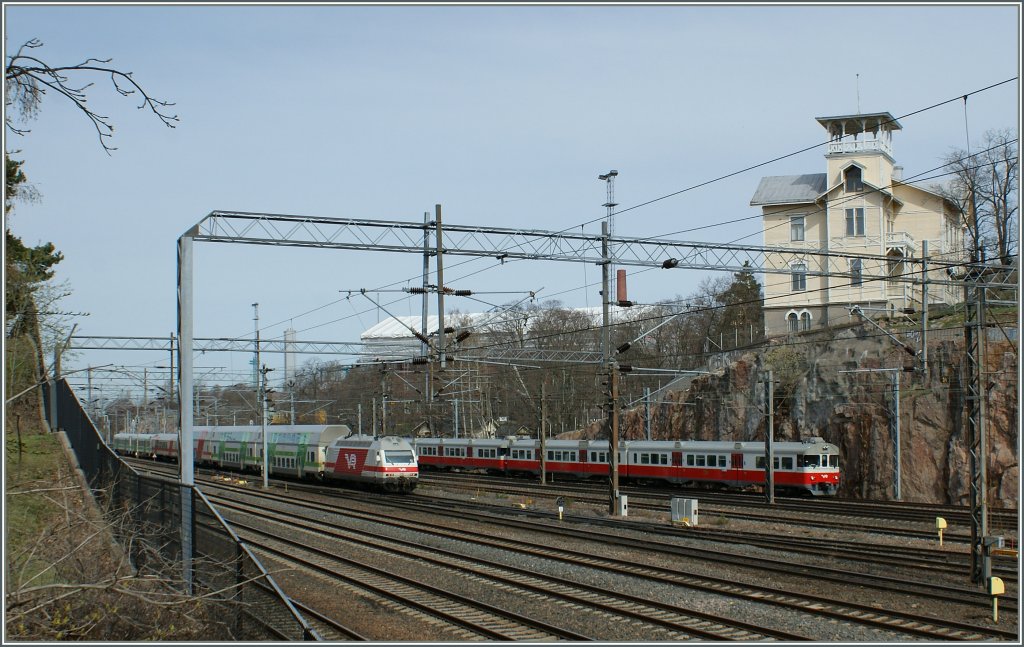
<point>743,307</point>
<point>25,268</point>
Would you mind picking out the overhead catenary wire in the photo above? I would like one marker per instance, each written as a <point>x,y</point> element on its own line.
<point>652,201</point>
<point>802,150</point>
<point>801,210</point>
<point>706,308</point>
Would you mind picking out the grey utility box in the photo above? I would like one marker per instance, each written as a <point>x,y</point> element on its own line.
<point>684,511</point>
<point>623,505</point>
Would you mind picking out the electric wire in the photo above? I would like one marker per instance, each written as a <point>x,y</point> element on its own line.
<point>687,189</point>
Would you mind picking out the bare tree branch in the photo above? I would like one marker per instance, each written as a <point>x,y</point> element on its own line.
<point>29,78</point>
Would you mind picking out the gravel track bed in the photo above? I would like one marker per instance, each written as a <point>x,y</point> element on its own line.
<point>372,616</point>
<point>352,606</point>
<point>866,595</point>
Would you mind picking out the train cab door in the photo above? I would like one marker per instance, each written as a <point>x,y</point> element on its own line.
<point>736,467</point>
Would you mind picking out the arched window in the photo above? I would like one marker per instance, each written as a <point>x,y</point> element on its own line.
<point>805,320</point>
<point>793,321</point>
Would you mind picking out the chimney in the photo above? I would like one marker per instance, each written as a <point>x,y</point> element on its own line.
<point>620,285</point>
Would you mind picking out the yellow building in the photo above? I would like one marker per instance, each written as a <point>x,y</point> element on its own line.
<point>866,227</point>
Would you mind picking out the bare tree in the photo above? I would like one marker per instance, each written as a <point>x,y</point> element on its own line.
<point>29,78</point>
<point>984,190</point>
<point>997,190</point>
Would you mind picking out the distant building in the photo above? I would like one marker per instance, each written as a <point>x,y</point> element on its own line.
<point>393,337</point>
<point>859,206</point>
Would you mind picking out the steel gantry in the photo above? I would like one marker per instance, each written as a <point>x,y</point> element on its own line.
<point>228,344</point>
<point>527,244</point>
<point>486,242</point>
<point>369,352</point>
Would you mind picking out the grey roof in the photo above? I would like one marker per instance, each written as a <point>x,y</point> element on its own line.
<point>858,121</point>
<point>789,189</point>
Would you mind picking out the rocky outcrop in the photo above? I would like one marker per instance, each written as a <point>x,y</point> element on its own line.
<point>832,388</point>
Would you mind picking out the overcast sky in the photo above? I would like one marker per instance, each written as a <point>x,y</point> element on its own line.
<point>503,115</point>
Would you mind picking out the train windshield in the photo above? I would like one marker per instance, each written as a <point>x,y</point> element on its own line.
<point>833,460</point>
<point>809,460</point>
<point>399,458</point>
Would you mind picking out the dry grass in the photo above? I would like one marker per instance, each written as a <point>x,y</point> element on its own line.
<point>65,577</point>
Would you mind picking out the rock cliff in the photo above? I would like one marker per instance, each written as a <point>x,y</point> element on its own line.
<point>828,385</point>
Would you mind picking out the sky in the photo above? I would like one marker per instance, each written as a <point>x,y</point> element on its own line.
<point>504,115</point>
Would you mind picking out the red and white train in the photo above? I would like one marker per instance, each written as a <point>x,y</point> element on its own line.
<point>810,466</point>
<point>328,452</point>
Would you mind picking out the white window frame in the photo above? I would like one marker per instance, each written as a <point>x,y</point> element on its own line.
<point>797,228</point>
<point>799,276</point>
<point>797,320</point>
<point>792,321</point>
<point>855,222</point>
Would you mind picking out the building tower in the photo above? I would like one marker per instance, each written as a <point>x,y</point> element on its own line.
<point>862,213</point>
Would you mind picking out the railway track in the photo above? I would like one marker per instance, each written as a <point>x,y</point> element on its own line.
<point>650,618</point>
<point>815,512</point>
<point>881,555</point>
<point>328,628</point>
<point>469,619</point>
<point>922,560</point>
<point>668,536</point>
<point>868,615</point>
<point>901,623</point>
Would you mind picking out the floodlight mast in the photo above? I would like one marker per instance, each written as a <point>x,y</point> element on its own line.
<point>610,204</point>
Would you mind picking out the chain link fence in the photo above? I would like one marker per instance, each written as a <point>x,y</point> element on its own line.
<point>145,512</point>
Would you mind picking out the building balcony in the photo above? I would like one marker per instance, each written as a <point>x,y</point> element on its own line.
<point>860,146</point>
<point>899,241</point>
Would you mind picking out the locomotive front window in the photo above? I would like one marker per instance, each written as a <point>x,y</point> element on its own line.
<point>833,460</point>
<point>398,457</point>
<point>809,460</point>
